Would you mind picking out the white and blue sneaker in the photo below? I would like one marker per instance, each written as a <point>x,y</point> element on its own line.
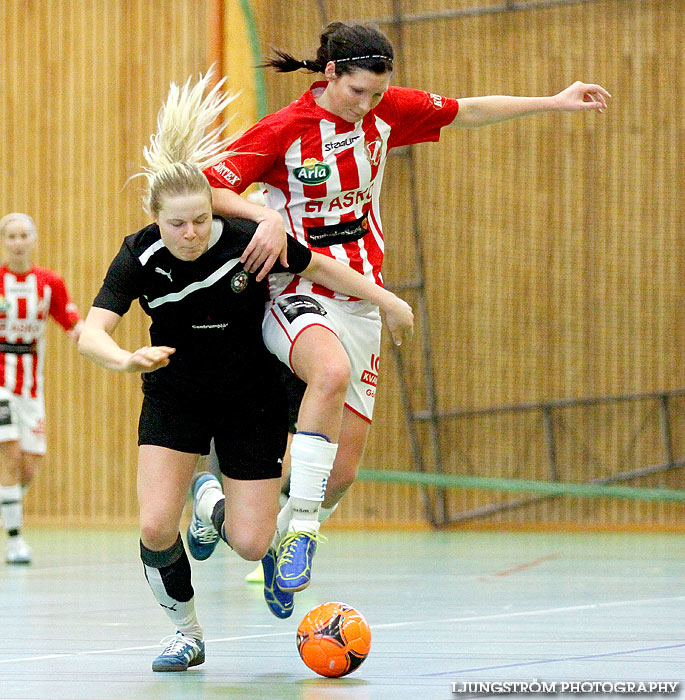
<point>180,653</point>
<point>280,602</point>
<point>202,535</point>
<point>295,554</point>
<point>18,552</point>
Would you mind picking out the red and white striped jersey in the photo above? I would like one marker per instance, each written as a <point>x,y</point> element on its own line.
<point>324,174</point>
<point>26,301</point>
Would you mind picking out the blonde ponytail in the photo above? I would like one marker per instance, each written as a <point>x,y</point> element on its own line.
<point>185,144</point>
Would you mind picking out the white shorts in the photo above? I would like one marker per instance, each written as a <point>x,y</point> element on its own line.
<point>22,418</point>
<point>357,325</point>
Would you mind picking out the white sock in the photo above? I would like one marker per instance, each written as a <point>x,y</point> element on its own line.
<point>11,507</point>
<point>325,513</point>
<point>205,508</point>
<point>181,613</point>
<point>169,576</point>
<point>312,458</point>
<point>282,523</point>
<point>307,519</point>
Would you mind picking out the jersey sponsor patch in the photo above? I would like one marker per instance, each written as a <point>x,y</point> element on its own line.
<point>21,327</point>
<point>344,232</point>
<point>438,100</point>
<point>231,176</point>
<point>298,304</point>
<point>312,172</point>
<point>344,143</point>
<point>19,348</point>
<point>369,378</point>
<point>5,412</point>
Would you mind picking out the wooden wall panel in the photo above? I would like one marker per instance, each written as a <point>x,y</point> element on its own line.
<point>552,244</point>
<point>82,83</point>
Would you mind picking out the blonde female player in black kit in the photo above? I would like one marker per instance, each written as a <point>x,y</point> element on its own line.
<point>206,373</point>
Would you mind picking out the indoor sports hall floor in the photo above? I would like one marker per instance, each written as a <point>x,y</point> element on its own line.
<point>81,624</point>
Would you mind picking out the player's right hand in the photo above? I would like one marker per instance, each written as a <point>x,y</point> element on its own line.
<point>399,318</point>
<point>149,359</point>
<point>269,244</point>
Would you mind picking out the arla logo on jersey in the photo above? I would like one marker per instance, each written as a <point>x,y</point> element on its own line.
<point>313,172</point>
<point>4,305</point>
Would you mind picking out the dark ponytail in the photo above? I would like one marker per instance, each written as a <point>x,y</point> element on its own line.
<point>351,46</point>
<point>285,63</point>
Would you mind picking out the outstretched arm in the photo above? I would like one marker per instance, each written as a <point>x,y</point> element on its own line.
<point>481,111</point>
<point>97,344</point>
<point>269,242</point>
<point>340,278</point>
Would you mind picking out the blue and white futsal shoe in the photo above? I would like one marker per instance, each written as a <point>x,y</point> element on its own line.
<point>294,565</point>
<point>180,653</point>
<point>280,602</point>
<point>202,535</point>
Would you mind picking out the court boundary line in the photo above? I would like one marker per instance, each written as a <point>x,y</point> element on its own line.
<point>560,659</point>
<point>388,625</point>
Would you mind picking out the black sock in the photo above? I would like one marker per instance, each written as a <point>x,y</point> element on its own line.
<point>219,519</point>
<point>173,567</point>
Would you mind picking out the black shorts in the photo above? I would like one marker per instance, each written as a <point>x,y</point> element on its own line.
<point>250,429</point>
<point>294,389</point>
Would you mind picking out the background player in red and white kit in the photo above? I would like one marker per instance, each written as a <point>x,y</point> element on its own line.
<point>29,295</point>
<point>321,161</point>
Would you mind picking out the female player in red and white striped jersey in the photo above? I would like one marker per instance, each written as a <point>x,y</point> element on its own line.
<point>320,162</point>
<point>29,295</point>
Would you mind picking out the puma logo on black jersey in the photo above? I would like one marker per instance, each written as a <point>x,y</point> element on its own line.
<point>164,272</point>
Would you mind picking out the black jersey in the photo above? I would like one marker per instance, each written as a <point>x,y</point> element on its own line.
<point>209,309</point>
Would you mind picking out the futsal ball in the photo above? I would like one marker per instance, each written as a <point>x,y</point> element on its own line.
<point>333,639</point>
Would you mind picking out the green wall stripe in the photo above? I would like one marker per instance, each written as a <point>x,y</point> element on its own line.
<point>554,488</point>
<point>253,34</point>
